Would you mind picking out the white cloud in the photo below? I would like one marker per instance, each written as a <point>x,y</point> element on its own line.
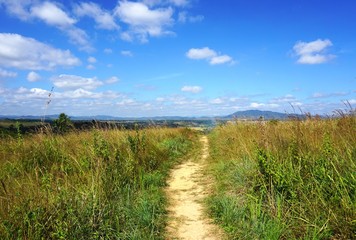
<point>52,14</point>
<point>184,17</point>
<point>126,53</point>
<point>79,37</point>
<point>284,99</point>
<point>127,102</point>
<point>328,95</point>
<point>80,93</point>
<point>201,53</point>
<point>257,105</point>
<point>90,67</point>
<point>108,50</point>
<point>152,2</point>
<point>143,21</point>
<point>313,52</point>
<point>220,59</point>
<point>192,89</point>
<point>18,8</point>
<point>217,101</point>
<point>318,95</point>
<point>208,54</point>
<point>178,3</point>
<point>7,74</point>
<point>103,19</point>
<point>27,53</point>
<point>91,60</point>
<point>75,82</point>
<point>33,76</point>
<point>23,93</point>
<point>33,94</point>
<point>112,80</point>
<point>263,105</point>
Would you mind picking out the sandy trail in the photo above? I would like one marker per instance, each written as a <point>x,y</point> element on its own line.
<point>186,190</point>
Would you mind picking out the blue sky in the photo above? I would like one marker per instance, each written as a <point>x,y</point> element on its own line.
<point>176,57</point>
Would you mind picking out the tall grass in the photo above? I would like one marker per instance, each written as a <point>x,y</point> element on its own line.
<point>285,180</point>
<point>100,184</point>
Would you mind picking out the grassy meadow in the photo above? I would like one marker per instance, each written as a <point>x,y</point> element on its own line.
<point>285,180</point>
<point>98,184</point>
<point>291,179</point>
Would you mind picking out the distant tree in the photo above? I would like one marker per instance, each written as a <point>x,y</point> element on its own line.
<point>63,123</point>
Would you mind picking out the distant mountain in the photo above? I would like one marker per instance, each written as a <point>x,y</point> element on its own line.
<point>103,118</point>
<point>249,114</point>
<point>29,117</point>
<point>256,114</point>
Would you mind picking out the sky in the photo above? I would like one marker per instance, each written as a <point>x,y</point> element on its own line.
<point>144,58</point>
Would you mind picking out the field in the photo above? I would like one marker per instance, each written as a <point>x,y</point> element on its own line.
<point>98,184</point>
<point>273,179</point>
<point>285,180</point>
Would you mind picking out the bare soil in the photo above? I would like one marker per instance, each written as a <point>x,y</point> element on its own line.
<point>186,190</point>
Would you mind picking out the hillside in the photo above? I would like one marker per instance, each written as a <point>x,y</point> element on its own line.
<point>256,114</point>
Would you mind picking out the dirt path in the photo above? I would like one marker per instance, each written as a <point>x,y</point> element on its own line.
<point>186,190</point>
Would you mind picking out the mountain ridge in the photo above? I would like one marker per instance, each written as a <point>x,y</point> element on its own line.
<point>247,114</point>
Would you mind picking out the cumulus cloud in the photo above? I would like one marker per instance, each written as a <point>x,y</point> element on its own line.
<point>201,53</point>
<point>313,52</point>
<point>81,93</point>
<point>143,22</point>
<point>53,15</point>
<point>47,11</point>
<point>22,93</point>
<point>7,74</point>
<point>79,37</point>
<point>112,80</point>
<point>192,89</point>
<point>76,82</point>
<point>210,55</point>
<point>263,105</point>
<point>19,8</point>
<point>33,76</point>
<point>102,18</point>
<point>140,19</point>
<point>27,53</point>
<point>220,59</point>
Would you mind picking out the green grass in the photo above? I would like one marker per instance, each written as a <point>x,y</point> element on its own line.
<point>285,180</point>
<point>99,184</point>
